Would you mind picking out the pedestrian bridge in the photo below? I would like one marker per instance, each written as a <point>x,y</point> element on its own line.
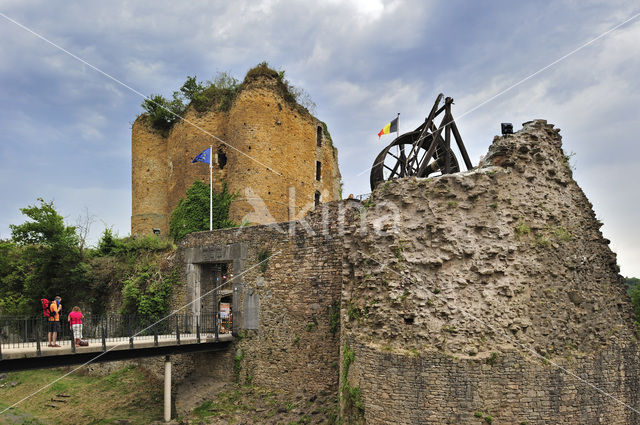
<point>24,345</point>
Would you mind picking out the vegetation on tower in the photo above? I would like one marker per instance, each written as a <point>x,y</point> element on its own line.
<point>219,94</point>
<point>192,213</point>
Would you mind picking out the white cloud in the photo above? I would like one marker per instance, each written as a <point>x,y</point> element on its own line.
<point>363,61</point>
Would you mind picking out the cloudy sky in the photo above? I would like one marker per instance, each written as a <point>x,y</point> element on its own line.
<point>66,127</point>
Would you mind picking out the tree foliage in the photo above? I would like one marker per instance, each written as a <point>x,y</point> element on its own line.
<point>45,258</point>
<point>192,213</point>
<point>148,294</point>
<point>163,113</point>
<point>633,287</point>
<point>42,260</point>
<point>46,227</point>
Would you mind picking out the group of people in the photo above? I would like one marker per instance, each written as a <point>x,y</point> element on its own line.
<point>75,318</point>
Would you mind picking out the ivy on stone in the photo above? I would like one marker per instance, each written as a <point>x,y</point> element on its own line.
<point>147,294</point>
<point>192,213</point>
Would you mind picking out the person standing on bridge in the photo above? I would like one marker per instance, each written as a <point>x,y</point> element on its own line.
<point>75,318</point>
<point>54,321</point>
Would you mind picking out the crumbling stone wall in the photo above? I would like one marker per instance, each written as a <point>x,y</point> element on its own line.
<point>261,130</point>
<point>473,281</point>
<point>488,296</point>
<point>433,387</point>
<point>295,344</point>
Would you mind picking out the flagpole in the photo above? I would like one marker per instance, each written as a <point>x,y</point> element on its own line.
<point>398,135</point>
<point>210,187</point>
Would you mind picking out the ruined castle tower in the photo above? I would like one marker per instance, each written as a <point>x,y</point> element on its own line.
<point>277,156</point>
<point>488,296</point>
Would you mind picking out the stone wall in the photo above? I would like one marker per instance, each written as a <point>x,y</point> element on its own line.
<point>503,264</point>
<point>271,151</point>
<point>287,342</point>
<point>435,388</point>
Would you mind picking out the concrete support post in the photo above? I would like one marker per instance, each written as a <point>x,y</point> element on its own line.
<point>167,389</point>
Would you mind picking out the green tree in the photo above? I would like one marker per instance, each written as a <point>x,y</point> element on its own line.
<point>633,286</point>
<point>163,113</point>
<point>192,213</point>
<point>13,273</point>
<point>50,260</point>
<point>631,282</point>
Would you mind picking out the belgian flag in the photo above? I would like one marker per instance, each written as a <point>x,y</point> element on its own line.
<point>392,127</point>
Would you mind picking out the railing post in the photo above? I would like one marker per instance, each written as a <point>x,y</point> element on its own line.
<point>104,338</point>
<point>198,328</point>
<point>38,329</point>
<point>130,333</point>
<point>73,341</point>
<point>215,313</point>
<point>155,335</point>
<point>178,329</point>
<point>217,327</point>
<point>129,325</point>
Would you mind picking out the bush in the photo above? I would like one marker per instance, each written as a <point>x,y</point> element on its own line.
<point>132,245</point>
<point>635,299</point>
<point>162,113</point>
<point>148,294</point>
<point>192,213</point>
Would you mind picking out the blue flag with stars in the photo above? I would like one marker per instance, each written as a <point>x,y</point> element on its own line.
<point>204,156</point>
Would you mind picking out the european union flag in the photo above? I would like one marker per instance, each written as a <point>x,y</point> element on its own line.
<point>204,156</point>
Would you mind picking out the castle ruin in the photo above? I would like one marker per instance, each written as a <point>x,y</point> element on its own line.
<point>477,297</point>
<point>275,155</point>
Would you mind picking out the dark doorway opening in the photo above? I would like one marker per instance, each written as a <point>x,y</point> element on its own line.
<point>222,159</point>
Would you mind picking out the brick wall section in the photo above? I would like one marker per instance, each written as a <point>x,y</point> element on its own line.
<point>260,125</point>
<point>293,347</point>
<point>149,178</point>
<point>434,388</point>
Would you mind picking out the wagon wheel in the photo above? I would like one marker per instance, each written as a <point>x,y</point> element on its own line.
<point>393,161</point>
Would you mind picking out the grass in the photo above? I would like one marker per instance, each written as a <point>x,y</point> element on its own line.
<point>541,242</point>
<point>238,404</point>
<point>312,325</point>
<point>353,312</point>
<point>334,317</point>
<point>562,234</point>
<point>522,229</point>
<point>131,394</point>
<point>404,295</point>
<point>226,403</point>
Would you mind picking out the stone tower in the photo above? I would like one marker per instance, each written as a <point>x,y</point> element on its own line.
<point>277,156</point>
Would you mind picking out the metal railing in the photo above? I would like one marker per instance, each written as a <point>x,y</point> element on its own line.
<point>32,332</point>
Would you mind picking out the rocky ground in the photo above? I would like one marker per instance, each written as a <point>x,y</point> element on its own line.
<point>246,404</point>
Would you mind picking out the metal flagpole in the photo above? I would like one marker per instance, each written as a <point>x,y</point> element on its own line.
<point>400,154</point>
<point>210,187</point>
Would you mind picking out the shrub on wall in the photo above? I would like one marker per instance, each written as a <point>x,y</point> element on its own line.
<point>192,213</point>
<point>148,294</point>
